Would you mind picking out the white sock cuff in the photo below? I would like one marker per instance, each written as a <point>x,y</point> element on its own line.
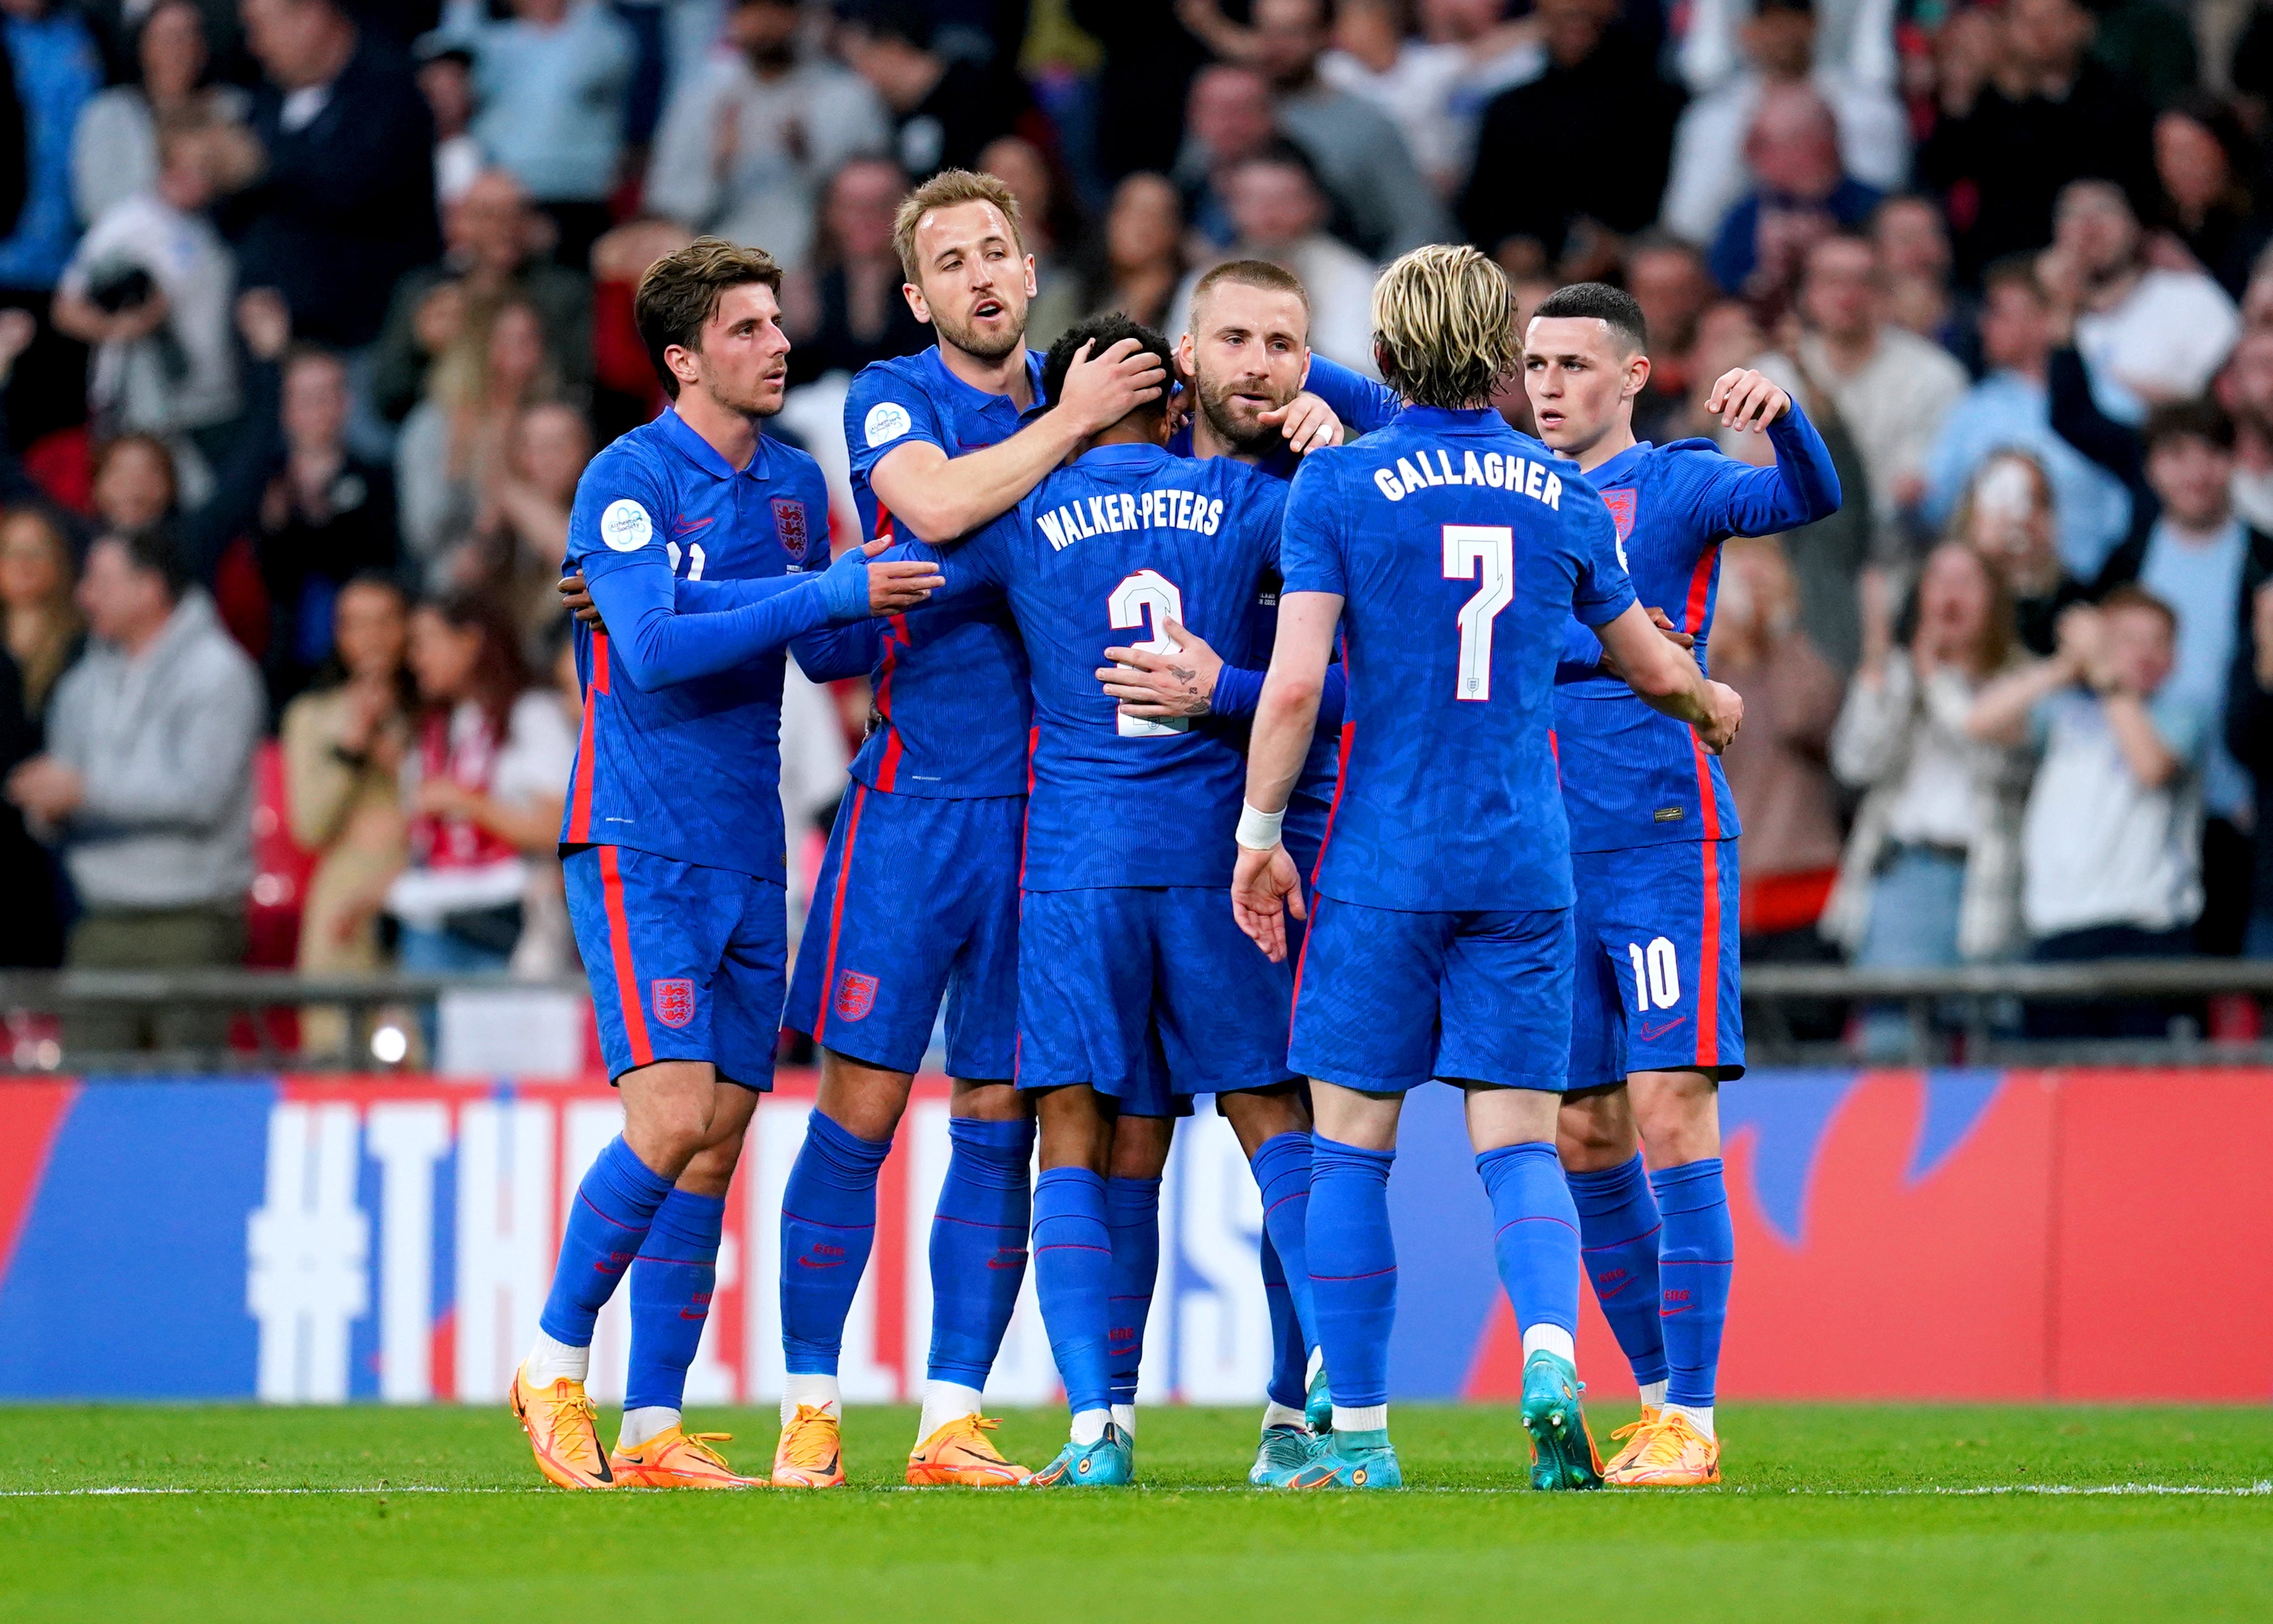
<point>641,1425</point>
<point>1699,1416</point>
<point>1550,1338</point>
<point>944,1402</point>
<point>1276,1414</point>
<point>549,1359</point>
<point>1653,1393</point>
<point>818,1392</point>
<point>1089,1425</point>
<point>1364,1418</point>
<point>1124,1417</point>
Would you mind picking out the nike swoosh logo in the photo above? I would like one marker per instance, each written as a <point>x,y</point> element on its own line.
<point>1605,1293</point>
<point>809,1263</point>
<point>684,527</point>
<point>688,1313</point>
<point>1650,1034</point>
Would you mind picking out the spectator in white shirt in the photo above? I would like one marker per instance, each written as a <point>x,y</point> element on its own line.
<point>749,138</point>
<point>2147,334</point>
<point>114,147</point>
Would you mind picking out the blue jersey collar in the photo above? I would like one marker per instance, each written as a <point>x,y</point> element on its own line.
<point>1444,420</point>
<point>1623,466</point>
<point>701,452</point>
<point>973,397</point>
<point>1123,454</point>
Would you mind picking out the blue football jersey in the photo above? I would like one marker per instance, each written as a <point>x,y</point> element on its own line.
<point>951,697</point>
<point>1104,553</point>
<point>1631,776</point>
<point>693,770</point>
<point>1461,549</point>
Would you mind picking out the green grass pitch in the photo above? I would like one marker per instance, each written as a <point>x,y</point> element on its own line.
<point>1830,1513</point>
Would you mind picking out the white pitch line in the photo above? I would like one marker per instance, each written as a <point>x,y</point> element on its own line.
<point>2193,1491</point>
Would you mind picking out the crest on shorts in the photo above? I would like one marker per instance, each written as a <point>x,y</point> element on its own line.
<point>788,524</point>
<point>855,995</point>
<point>674,1002</point>
<point>1621,504</point>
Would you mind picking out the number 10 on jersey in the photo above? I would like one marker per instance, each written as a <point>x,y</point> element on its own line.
<point>1484,553</point>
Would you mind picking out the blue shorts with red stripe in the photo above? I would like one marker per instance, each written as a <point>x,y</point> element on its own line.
<point>916,901</point>
<point>1384,1000</point>
<point>1657,986</point>
<point>1119,983</point>
<point>685,962</point>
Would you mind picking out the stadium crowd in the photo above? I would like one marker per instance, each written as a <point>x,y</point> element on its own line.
<point>313,311</point>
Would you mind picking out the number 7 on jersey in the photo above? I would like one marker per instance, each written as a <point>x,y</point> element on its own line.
<point>1485,552</point>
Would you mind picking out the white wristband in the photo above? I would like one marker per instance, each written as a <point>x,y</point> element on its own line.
<point>1258,831</point>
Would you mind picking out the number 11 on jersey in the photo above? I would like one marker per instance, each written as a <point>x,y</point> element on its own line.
<point>1485,551</point>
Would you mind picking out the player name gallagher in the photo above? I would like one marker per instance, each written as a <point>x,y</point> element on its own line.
<point>1507,473</point>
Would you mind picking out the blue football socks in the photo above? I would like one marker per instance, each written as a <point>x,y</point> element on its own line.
<point>827,1225</point>
<point>1290,1361</point>
<point>1696,1257</point>
<point>979,1246</point>
<point>1535,1234</point>
<point>1073,1271</point>
<point>1353,1261</point>
<point>1132,1215</point>
<point>1618,1242</point>
<point>606,1222</point>
<point>671,1286</point>
<point>1282,1165</point>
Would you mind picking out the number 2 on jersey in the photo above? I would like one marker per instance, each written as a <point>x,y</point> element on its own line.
<point>1148,591</point>
<point>1485,551</point>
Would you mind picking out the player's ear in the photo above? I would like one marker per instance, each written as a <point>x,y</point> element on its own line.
<point>1030,276</point>
<point>686,364</point>
<point>916,304</point>
<point>1637,376</point>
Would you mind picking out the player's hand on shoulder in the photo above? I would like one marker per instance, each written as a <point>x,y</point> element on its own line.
<point>1099,390</point>
<point>1157,686</point>
<point>576,598</point>
<point>1266,887</point>
<point>1746,398</point>
<point>1724,715</point>
<point>1307,422</point>
<point>894,586</point>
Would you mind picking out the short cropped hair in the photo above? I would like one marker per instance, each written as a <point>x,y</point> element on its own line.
<point>2197,419</point>
<point>1250,274</point>
<point>946,190</point>
<point>1443,327</point>
<point>2130,595</point>
<point>151,550</point>
<point>1598,301</point>
<point>1100,334</point>
<point>680,293</point>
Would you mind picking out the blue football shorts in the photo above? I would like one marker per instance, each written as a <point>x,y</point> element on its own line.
<point>685,962</point>
<point>1118,982</point>
<point>1385,1000</point>
<point>917,901</point>
<point>1657,984</point>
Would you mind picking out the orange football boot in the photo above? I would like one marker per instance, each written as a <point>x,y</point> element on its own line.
<point>959,1454</point>
<point>558,1420</point>
<point>673,1459</point>
<point>1634,1433</point>
<point>811,1453</point>
<point>1674,1454</point>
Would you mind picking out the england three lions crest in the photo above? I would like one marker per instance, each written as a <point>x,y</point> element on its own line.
<point>674,1002</point>
<point>855,995</point>
<point>788,525</point>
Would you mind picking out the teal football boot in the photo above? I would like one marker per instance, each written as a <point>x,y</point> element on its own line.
<point>1318,1406</point>
<point>1285,1450</point>
<point>1108,1464</point>
<point>1348,1461</point>
<point>1562,1452</point>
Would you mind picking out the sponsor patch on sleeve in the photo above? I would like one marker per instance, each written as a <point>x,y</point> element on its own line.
<point>886,422</point>
<point>625,526</point>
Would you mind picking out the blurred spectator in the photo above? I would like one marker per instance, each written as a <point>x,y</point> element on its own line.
<point>495,249</point>
<point>2147,46</point>
<point>445,78</point>
<point>2148,334</point>
<point>44,632</point>
<point>1150,59</point>
<point>135,485</point>
<point>1892,387</point>
<point>153,288</point>
<point>1710,172</point>
<point>1546,156</point>
<point>344,741</point>
<point>1852,39</point>
<point>30,930</point>
<point>2010,409</point>
<point>1381,204</point>
<point>148,780</point>
<point>2111,853</point>
<point>325,517</point>
<point>1140,259</point>
<point>346,205</point>
<point>1913,245</point>
<point>846,309</point>
<point>1668,279</point>
<point>1409,79</point>
<point>748,139</point>
<point>1931,873</point>
<point>1496,54</point>
<point>2204,160</point>
<point>1800,193</point>
<point>1780,773</point>
<point>625,393</point>
<point>549,83</point>
<point>2007,515</point>
<point>55,72</point>
<point>521,536</point>
<point>456,437</point>
<point>1280,214</point>
<point>114,147</point>
<point>1050,221</point>
<point>2023,111</point>
<point>483,783</point>
<point>1227,120</point>
<point>2245,388</point>
<point>943,109</point>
